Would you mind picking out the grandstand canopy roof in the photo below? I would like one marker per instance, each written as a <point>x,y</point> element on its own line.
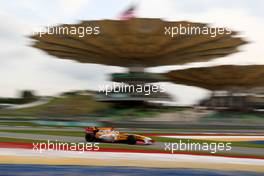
<point>137,41</point>
<point>225,77</point>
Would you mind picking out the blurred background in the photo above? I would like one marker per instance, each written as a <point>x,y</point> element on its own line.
<point>33,82</point>
<point>50,84</point>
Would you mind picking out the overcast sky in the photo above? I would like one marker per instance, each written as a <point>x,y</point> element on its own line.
<point>24,67</point>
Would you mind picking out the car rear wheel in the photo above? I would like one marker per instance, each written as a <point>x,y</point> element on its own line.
<point>89,137</point>
<point>131,140</point>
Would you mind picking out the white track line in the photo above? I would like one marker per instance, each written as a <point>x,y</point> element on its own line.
<point>130,156</point>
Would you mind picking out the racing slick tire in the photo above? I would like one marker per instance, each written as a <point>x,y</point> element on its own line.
<point>89,137</point>
<point>131,140</point>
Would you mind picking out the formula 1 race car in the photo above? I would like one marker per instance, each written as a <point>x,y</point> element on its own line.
<point>109,134</point>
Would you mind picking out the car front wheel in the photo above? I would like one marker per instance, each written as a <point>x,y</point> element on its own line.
<point>89,137</point>
<point>131,140</point>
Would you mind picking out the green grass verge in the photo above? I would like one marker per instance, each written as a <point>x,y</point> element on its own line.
<point>68,105</point>
<point>236,115</point>
<point>29,124</point>
<point>48,132</point>
<point>6,139</point>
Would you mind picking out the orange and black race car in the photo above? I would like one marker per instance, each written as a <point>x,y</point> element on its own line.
<point>109,134</point>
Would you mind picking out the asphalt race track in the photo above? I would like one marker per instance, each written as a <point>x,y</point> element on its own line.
<point>156,145</point>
